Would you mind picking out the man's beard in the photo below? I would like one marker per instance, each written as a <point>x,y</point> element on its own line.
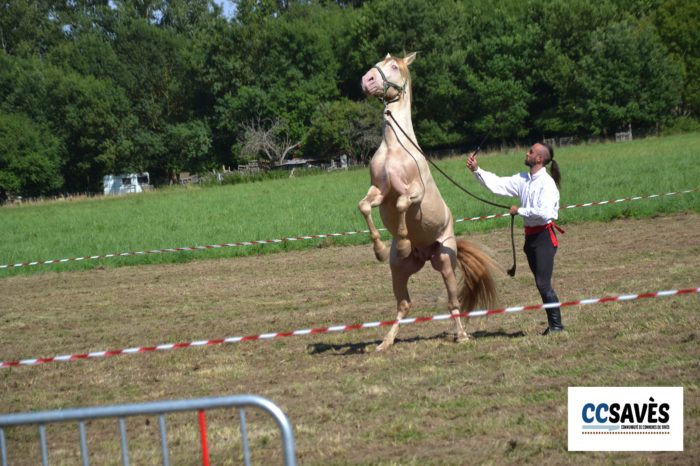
<point>528,163</point>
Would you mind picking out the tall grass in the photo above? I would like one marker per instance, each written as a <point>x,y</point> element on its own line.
<point>327,203</point>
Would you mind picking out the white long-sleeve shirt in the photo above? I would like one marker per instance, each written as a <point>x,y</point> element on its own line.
<point>538,193</point>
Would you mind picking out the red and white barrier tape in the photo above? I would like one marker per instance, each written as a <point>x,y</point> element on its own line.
<point>589,204</point>
<point>306,237</point>
<point>338,328</point>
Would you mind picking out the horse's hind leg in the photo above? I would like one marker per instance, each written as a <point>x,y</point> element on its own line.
<point>403,306</point>
<point>374,198</point>
<point>401,270</point>
<point>444,261</point>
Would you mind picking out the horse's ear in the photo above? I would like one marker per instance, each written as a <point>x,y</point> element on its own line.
<point>408,59</point>
<point>388,56</point>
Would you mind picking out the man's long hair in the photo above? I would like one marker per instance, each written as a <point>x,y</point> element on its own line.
<point>556,175</point>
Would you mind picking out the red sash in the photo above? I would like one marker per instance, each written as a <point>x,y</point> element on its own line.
<point>540,228</point>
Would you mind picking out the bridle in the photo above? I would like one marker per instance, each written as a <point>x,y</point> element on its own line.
<point>388,84</point>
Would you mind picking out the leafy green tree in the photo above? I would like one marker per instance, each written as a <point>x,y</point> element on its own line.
<point>30,158</point>
<point>28,27</point>
<point>602,68</point>
<point>149,10</point>
<point>500,79</point>
<point>564,29</point>
<point>23,87</point>
<point>343,127</point>
<point>187,147</point>
<point>297,67</point>
<point>91,118</point>
<point>270,64</point>
<point>148,149</point>
<point>189,17</point>
<point>504,102</point>
<point>660,79</point>
<point>156,70</point>
<point>472,74</point>
<point>156,67</point>
<point>677,24</point>
<point>232,111</point>
<point>170,85</point>
<point>88,54</point>
<point>627,79</point>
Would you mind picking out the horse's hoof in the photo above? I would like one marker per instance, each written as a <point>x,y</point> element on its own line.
<point>383,347</point>
<point>462,338</point>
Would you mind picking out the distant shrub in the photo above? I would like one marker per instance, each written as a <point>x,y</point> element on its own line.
<point>682,125</point>
<point>232,178</point>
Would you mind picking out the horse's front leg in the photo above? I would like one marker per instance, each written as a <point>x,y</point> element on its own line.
<point>403,244</point>
<point>444,261</point>
<point>374,198</point>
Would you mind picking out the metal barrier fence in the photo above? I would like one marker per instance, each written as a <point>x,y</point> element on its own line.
<point>155,408</point>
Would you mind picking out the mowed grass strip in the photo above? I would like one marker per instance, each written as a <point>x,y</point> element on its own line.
<point>327,203</point>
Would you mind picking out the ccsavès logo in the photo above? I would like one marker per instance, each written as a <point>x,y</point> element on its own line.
<point>625,418</point>
<point>630,416</point>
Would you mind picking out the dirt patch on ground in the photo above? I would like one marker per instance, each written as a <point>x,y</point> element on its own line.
<point>500,398</point>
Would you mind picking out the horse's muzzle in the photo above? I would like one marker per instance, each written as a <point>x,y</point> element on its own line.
<point>370,84</point>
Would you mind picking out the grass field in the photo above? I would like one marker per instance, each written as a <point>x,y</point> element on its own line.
<point>328,204</point>
<point>500,398</point>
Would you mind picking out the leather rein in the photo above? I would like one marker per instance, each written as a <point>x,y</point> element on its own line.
<point>402,89</point>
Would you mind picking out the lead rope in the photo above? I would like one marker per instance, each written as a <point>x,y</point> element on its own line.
<point>511,271</point>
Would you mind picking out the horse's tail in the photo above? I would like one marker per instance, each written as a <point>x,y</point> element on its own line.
<point>479,285</point>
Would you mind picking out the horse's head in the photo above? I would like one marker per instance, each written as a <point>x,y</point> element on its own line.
<point>389,78</point>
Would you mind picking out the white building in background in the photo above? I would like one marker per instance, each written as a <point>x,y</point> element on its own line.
<point>126,183</point>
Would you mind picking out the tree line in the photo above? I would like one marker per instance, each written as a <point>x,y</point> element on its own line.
<point>92,87</point>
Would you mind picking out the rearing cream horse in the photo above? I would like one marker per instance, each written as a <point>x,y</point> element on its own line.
<point>412,208</point>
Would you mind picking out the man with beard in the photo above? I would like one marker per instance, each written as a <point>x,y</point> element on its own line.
<point>539,205</point>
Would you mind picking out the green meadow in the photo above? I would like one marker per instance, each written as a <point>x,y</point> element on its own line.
<point>327,203</point>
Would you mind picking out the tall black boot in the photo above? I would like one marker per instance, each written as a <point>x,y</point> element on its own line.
<point>553,313</point>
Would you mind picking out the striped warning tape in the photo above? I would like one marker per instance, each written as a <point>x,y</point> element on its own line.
<point>589,204</point>
<point>302,238</point>
<point>338,328</point>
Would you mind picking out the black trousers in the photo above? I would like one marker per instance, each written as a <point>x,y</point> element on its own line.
<point>540,252</point>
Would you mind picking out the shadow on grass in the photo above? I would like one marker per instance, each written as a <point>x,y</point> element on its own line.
<point>498,334</point>
<point>349,349</point>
